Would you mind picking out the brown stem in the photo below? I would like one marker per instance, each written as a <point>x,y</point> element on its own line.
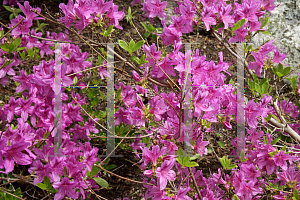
<point>195,184</point>
<point>11,29</point>
<point>115,147</point>
<point>127,179</point>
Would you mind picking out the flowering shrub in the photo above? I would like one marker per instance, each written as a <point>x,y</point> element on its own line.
<point>261,168</point>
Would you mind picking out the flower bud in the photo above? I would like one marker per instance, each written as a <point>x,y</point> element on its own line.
<point>227,125</point>
<point>136,76</point>
<point>148,173</point>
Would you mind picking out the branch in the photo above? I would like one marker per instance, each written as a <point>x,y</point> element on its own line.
<point>195,184</point>
<point>122,176</point>
<point>11,29</point>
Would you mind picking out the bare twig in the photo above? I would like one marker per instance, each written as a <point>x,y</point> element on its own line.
<point>11,29</point>
<point>122,176</point>
<point>195,184</point>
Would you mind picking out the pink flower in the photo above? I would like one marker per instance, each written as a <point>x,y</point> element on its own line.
<point>181,194</point>
<point>280,159</point>
<point>103,72</point>
<point>13,153</point>
<point>278,57</point>
<point>157,8</point>
<point>22,28</point>
<point>153,155</point>
<point>200,146</point>
<point>224,15</point>
<point>170,35</point>
<point>165,173</point>
<point>290,176</point>
<point>41,171</point>
<point>208,17</point>
<point>136,76</point>
<point>251,172</point>
<point>115,16</point>
<point>252,111</point>
<point>240,35</point>
<point>248,190</point>
<point>26,9</point>
<point>65,187</point>
<point>123,116</point>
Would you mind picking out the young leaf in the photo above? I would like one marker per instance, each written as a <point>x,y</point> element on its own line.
<point>93,172</point>
<point>191,164</point>
<point>42,186</point>
<point>138,45</point>
<point>194,157</point>
<point>103,183</point>
<point>123,44</point>
<point>239,24</point>
<point>148,29</point>
<point>266,33</point>
<point>221,144</point>
<point>266,21</point>
<point>286,70</point>
<point>131,45</point>
<point>146,35</point>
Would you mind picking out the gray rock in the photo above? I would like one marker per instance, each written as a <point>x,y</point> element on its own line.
<point>284,26</point>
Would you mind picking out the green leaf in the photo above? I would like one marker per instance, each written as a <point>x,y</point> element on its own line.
<point>239,24</point>
<point>180,156</point>
<point>17,42</point>
<point>154,36</point>
<point>191,164</point>
<point>285,138</point>
<point>265,88</point>
<point>275,141</point>
<point>103,183</point>
<point>186,160</point>
<point>131,45</point>
<point>242,154</point>
<point>75,80</point>
<point>286,70</point>
<point>274,70</point>
<point>42,186</point>
<point>148,28</point>
<point>18,192</point>
<point>250,47</point>
<point>94,101</point>
<point>123,44</point>
<point>194,157</point>
<point>223,161</point>
<point>47,182</point>
<point>221,144</point>
<point>95,170</point>
<point>109,167</point>
<point>221,25</point>
<point>296,194</point>
<point>138,45</point>
<point>8,8</point>
<point>280,68</point>
<point>293,82</point>
<point>266,21</point>
<point>146,35</point>
<point>119,92</point>
<point>235,197</point>
<point>268,118</point>
<point>231,166</point>
<point>266,33</point>
<point>265,139</point>
<point>209,150</point>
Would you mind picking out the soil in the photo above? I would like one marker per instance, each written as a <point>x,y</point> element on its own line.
<point>119,188</point>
